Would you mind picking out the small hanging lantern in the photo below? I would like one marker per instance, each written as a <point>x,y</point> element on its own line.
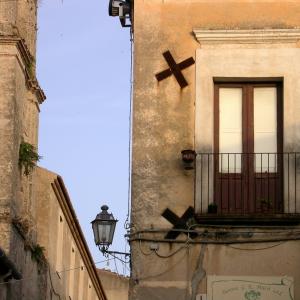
<point>188,158</point>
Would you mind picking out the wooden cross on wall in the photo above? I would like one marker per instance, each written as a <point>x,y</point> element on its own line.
<point>179,223</point>
<point>175,69</point>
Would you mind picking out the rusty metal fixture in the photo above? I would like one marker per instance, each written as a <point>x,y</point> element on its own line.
<point>188,158</point>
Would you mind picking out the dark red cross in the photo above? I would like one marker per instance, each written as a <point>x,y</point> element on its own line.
<point>179,223</point>
<point>175,69</point>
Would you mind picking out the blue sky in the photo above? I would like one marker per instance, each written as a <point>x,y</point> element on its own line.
<point>83,66</point>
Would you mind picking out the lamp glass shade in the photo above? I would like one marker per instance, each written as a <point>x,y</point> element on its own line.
<point>104,228</point>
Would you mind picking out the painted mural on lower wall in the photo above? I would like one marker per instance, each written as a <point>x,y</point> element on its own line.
<point>249,288</point>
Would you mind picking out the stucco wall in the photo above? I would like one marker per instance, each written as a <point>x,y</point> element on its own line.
<point>164,122</point>
<point>50,216</point>
<point>164,115</point>
<point>116,286</point>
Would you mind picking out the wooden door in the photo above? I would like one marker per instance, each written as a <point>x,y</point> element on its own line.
<point>248,148</point>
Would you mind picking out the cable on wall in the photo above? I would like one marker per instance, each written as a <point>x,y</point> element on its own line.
<point>55,272</point>
<point>256,249</point>
<point>127,221</point>
<point>52,287</point>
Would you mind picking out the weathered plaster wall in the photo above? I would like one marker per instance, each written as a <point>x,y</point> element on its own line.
<point>50,215</point>
<point>173,278</point>
<point>116,286</point>
<point>163,119</point>
<point>164,124</point>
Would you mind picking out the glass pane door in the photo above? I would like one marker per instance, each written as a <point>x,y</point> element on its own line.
<point>265,129</point>
<point>230,129</point>
<point>248,145</point>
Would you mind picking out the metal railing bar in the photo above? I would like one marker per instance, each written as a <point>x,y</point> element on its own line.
<point>274,182</point>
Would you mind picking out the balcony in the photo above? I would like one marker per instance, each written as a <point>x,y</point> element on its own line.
<point>247,188</point>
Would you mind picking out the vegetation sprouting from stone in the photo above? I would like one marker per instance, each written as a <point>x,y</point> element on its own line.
<point>31,68</point>
<point>37,253</point>
<point>28,157</point>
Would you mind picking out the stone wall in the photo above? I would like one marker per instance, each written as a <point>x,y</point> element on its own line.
<point>19,109</point>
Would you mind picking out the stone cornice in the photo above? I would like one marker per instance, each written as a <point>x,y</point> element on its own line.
<point>247,36</point>
<point>28,61</point>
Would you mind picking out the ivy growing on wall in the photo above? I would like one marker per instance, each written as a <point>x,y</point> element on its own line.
<point>28,157</point>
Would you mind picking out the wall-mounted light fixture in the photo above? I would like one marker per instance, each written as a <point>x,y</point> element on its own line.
<point>104,227</point>
<point>188,158</point>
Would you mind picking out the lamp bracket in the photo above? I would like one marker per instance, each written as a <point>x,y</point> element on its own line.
<point>106,252</point>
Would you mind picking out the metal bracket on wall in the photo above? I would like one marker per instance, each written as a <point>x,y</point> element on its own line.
<point>175,69</point>
<point>179,223</point>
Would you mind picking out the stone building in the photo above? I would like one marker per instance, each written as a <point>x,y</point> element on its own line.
<point>220,79</point>
<point>71,270</point>
<point>43,254</point>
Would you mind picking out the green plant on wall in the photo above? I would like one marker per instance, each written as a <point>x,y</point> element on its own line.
<point>31,68</point>
<point>212,208</point>
<point>28,157</point>
<point>37,253</point>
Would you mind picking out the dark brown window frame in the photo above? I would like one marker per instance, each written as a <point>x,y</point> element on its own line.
<point>248,176</point>
<point>285,218</point>
<point>248,111</point>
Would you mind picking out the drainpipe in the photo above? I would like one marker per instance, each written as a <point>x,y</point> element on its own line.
<point>7,268</point>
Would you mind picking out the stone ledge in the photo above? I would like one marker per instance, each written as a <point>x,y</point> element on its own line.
<point>247,36</point>
<point>28,60</point>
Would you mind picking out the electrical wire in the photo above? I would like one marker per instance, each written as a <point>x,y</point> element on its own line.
<point>127,221</point>
<point>118,258</point>
<point>55,272</point>
<point>255,249</point>
<point>142,251</point>
<point>125,251</point>
<point>289,235</point>
<point>173,253</point>
<point>219,241</point>
<point>187,248</point>
<point>52,287</point>
<point>160,273</point>
<point>116,266</point>
<point>288,232</point>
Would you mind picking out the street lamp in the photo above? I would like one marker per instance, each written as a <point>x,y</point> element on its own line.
<point>104,228</point>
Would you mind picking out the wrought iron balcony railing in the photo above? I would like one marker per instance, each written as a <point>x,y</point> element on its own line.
<point>248,183</point>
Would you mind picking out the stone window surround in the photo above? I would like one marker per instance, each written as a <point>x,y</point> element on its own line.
<point>263,53</point>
